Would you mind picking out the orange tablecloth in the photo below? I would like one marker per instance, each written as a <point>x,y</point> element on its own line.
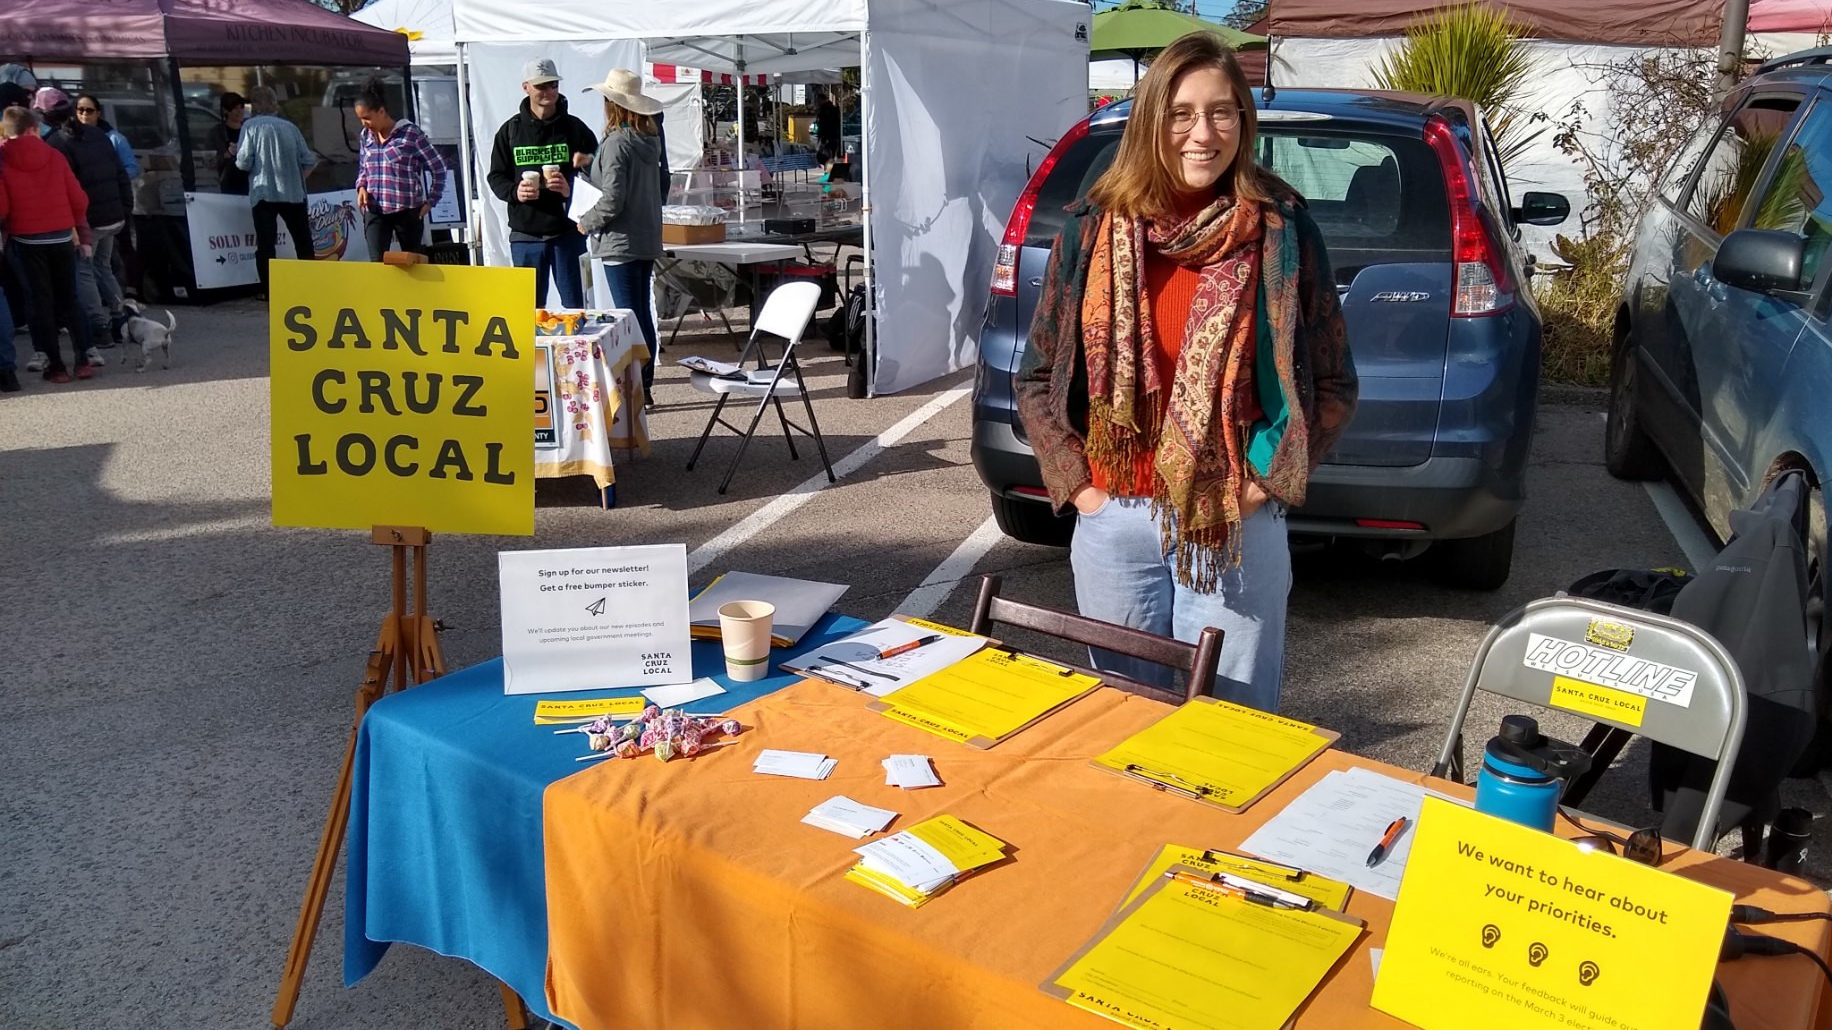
<point>689,895</point>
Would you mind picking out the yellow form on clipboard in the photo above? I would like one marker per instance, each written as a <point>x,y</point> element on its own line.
<point>1189,955</point>
<point>1226,754</point>
<point>986,697</point>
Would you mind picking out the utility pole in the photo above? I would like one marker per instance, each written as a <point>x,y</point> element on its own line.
<point>1730,47</point>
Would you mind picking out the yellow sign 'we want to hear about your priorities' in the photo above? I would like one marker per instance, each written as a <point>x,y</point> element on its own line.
<point>1501,925</point>
<point>400,396</point>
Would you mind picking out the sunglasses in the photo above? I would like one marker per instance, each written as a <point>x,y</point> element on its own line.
<point>1643,846</point>
<point>88,110</point>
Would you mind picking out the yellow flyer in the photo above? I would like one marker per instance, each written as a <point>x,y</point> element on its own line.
<point>1501,925</point>
<point>399,396</point>
<point>551,711</point>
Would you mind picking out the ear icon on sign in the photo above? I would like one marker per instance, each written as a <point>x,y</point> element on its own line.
<point>1490,934</point>
<point>1536,954</point>
<point>1588,972</point>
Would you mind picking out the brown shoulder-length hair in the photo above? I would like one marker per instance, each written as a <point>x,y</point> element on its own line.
<point>616,116</point>
<point>1141,182</point>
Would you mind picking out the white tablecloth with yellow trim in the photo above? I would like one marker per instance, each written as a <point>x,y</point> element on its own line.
<point>588,393</point>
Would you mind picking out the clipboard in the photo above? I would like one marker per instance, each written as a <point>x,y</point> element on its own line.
<point>1076,685</point>
<point>1113,1009</point>
<point>881,676</point>
<point>1273,876</point>
<point>1302,741</point>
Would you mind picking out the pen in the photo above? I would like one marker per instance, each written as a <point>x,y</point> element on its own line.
<point>1394,829</point>
<point>826,661</point>
<point>892,652</point>
<point>1156,778</point>
<point>1210,883</point>
<point>1285,899</point>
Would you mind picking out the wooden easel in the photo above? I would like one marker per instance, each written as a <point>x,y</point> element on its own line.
<point>406,653</point>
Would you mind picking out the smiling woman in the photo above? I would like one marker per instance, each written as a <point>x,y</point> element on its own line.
<point>1187,370</point>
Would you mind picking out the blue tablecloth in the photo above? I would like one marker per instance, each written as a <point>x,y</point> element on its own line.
<point>445,815</point>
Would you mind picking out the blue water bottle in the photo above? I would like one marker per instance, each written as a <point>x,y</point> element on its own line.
<point>1523,773</point>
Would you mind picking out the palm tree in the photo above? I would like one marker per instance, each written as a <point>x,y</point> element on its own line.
<point>1471,51</point>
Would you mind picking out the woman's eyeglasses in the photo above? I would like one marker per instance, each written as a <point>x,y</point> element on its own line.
<point>1222,118</point>
<point>1643,846</point>
<point>88,110</point>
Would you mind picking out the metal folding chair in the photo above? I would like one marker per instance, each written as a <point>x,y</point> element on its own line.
<point>785,314</point>
<point>1196,661</point>
<point>1665,679</point>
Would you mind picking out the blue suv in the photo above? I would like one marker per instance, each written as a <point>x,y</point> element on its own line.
<point>1412,203</point>
<point>1723,359</point>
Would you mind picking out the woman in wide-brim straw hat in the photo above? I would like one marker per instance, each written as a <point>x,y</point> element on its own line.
<point>1187,370</point>
<point>625,225</point>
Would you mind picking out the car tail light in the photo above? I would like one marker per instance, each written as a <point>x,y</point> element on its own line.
<point>1005,267</point>
<point>1388,524</point>
<point>1483,286</point>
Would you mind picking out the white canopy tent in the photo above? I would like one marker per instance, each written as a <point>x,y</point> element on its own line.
<point>427,23</point>
<point>952,92</point>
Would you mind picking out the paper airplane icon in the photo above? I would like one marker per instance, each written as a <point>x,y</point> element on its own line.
<point>596,607</point>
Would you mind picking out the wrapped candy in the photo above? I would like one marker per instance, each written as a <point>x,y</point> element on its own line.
<point>667,732</point>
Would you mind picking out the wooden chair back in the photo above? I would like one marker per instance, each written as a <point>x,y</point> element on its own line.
<point>1197,661</point>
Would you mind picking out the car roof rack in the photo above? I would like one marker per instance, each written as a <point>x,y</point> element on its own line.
<point>1817,55</point>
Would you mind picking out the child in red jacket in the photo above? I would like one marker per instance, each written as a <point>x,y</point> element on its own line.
<point>45,212</point>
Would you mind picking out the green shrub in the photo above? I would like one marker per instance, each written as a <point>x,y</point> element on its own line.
<point>1577,305</point>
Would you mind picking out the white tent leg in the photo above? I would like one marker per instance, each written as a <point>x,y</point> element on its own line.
<point>870,354</point>
<point>473,233</point>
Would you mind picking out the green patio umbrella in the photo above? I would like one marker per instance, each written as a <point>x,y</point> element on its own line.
<point>1140,28</point>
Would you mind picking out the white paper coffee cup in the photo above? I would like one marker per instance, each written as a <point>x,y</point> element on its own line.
<point>744,630</point>
<point>531,176</point>
<point>549,169</point>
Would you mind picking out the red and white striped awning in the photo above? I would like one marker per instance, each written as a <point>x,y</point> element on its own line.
<point>681,73</point>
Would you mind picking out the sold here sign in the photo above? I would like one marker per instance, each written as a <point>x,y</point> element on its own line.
<point>400,396</point>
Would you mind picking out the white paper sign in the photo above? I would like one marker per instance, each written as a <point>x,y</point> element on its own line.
<point>222,235</point>
<point>594,618</point>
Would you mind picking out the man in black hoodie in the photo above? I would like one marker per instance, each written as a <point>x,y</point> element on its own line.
<point>111,200</point>
<point>532,164</point>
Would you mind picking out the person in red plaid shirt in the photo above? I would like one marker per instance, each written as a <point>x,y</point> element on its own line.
<point>392,184</point>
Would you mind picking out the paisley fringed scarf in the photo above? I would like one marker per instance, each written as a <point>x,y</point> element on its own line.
<point>1191,426</point>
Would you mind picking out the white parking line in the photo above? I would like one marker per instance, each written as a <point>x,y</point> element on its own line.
<point>761,519</point>
<point>936,587</point>
<point>1692,540</point>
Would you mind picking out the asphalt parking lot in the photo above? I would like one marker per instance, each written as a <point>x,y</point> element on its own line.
<point>179,674</point>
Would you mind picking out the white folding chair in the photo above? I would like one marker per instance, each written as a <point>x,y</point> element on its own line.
<point>1552,651</point>
<point>786,314</point>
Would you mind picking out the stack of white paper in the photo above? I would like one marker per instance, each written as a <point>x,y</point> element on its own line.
<point>801,764</point>
<point>909,860</point>
<point>845,816</point>
<point>910,772</point>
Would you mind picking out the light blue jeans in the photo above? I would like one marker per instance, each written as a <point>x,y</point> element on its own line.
<point>1122,575</point>
<point>97,291</point>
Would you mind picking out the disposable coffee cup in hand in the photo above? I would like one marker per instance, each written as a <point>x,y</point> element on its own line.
<point>531,177</point>
<point>744,630</point>
<point>550,169</point>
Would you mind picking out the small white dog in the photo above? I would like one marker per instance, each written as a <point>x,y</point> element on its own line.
<point>147,334</point>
